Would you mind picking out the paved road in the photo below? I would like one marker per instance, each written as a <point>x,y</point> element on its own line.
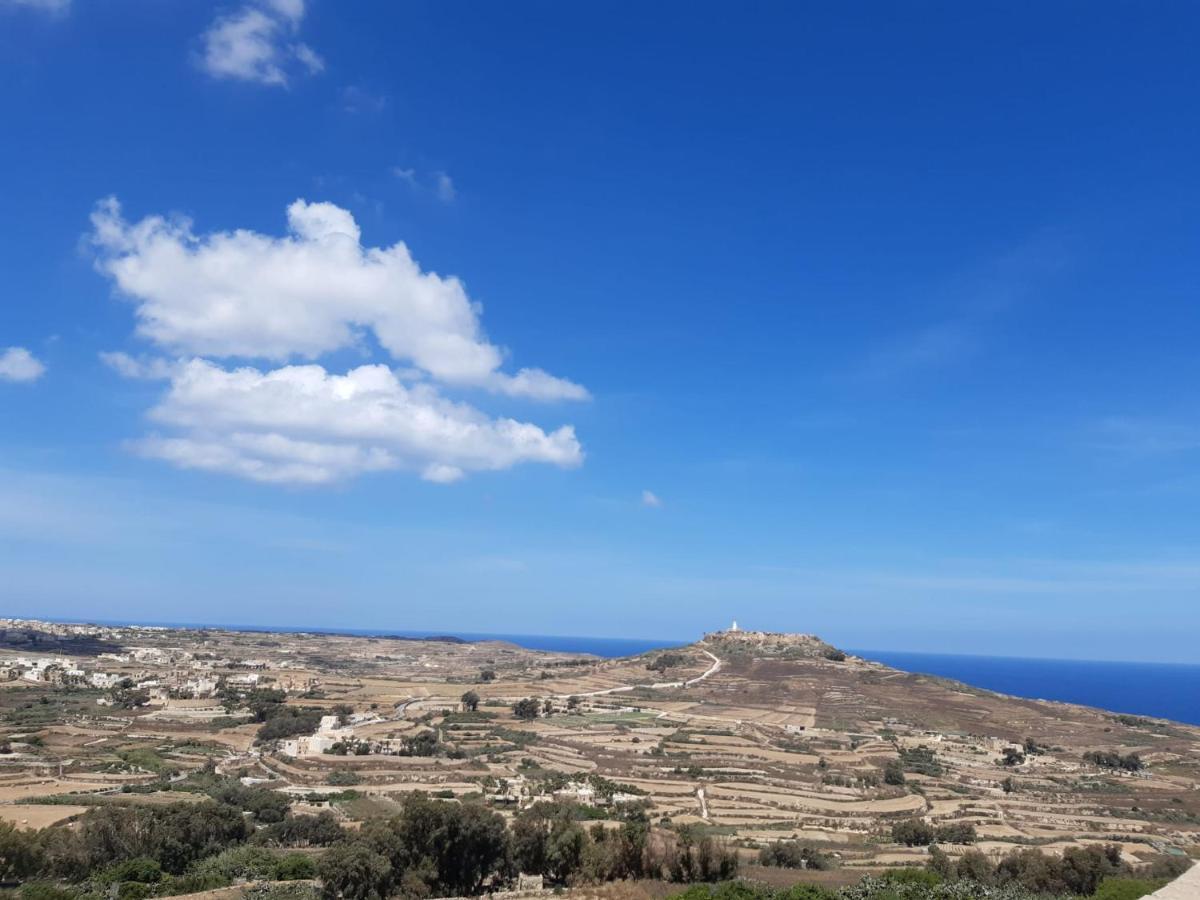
<point>1185,887</point>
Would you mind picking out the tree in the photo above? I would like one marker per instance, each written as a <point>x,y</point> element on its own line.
<point>20,855</point>
<point>792,855</point>
<point>267,805</point>
<point>940,863</point>
<point>320,830</point>
<point>287,722</point>
<point>975,866</point>
<point>956,833</point>
<point>353,871</point>
<point>1013,756</point>
<point>1083,868</point>
<point>423,743</point>
<point>564,850</point>
<point>455,847</point>
<point>893,772</point>
<point>470,701</point>
<point>628,850</point>
<point>530,834</point>
<point>703,859</point>
<point>1111,759</point>
<point>913,833</point>
<point>1033,748</point>
<point>1078,871</point>
<point>175,835</point>
<point>487,675</point>
<point>526,709</point>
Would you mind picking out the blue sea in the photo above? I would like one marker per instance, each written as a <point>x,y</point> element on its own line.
<point>1167,690</point>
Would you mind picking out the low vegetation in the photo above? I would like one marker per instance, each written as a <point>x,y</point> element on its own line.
<point>1111,759</point>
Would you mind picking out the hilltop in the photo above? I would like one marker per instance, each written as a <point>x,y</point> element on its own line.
<point>770,644</point>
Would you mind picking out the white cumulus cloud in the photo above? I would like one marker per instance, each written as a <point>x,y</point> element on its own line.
<point>301,424</point>
<point>258,43</point>
<point>18,364</point>
<point>312,291</point>
<point>205,299</point>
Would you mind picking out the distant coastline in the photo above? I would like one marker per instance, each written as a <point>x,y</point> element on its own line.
<point>1165,690</point>
<point>607,647</point>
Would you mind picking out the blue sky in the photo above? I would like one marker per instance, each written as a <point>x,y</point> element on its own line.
<point>870,320</point>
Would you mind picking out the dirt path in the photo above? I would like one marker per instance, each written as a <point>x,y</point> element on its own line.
<point>658,685</point>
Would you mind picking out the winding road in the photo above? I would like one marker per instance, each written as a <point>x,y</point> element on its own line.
<point>660,685</point>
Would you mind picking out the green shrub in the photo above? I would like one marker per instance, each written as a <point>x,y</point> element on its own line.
<point>249,862</point>
<point>140,869</point>
<point>295,867</point>
<point>42,890</point>
<point>1126,888</point>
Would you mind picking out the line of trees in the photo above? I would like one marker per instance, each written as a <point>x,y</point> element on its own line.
<point>917,833</point>
<point>1079,871</point>
<point>793,855</point>
<point>433,848</point>
<point>134,851</point>
<point>1111,759</point>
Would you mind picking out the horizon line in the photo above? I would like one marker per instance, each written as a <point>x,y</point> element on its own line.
<point>472,636</point>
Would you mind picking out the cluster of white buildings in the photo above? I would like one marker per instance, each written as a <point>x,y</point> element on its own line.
<point>521,791</point>
<point>60,670</point>
<point>49,670</point>
<point>328,733</point>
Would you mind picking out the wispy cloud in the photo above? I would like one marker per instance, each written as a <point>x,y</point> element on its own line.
<point>356,99</point>
<point>651,499</point>
<point>148,368</point>
<point>56,7</point>
<point>1015,577</point>
<point>927,348</point>
<point>1137,436</point>
<point>438,183</point>
<point>258,43</point>
<point>974,301</point>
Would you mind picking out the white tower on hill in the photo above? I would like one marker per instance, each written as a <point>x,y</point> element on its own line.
<point>734,626</point>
